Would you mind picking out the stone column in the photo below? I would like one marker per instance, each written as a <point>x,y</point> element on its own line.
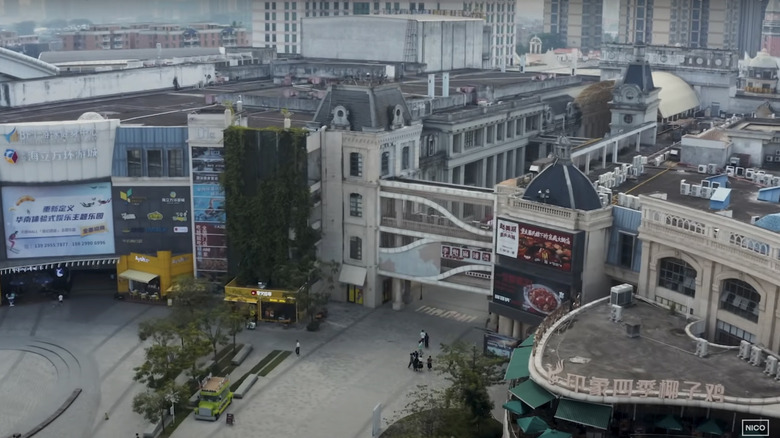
<point>398,296</point>
<point>638,143</point>
<point>495,173</point>
<point>587,163</point>
<point>505,326</point>
<point>517,330</point>
<point>484,172</point>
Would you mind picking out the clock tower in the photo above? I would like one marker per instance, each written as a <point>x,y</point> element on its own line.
<point>635,98</point>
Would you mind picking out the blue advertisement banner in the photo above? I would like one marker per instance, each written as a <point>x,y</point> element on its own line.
<point>208,200</point>
<point>46,221</point>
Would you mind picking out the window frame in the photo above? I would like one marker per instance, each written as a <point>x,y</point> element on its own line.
<point>133,164</point>
<point>355,248</point>
<point>621,250</point>
<point>405,157</point>
<point>175,164</point>
<point>385,163</point>
<point>355,205</point>
<point>158,165</point>
<point>728,295</point>
<point>669,268</point>
<point>356,164</point>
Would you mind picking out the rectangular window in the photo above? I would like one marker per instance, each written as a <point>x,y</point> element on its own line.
<point>175,163</point>
<point>468,139</point>
<point>355,248</point>
<point>134,163</point>
<point>154,163</point>
<point>355,164</point>
<point>457,141</point>
<point>355,205</point>
<point>491,134</point>
<point>405,158</point>
<point>626,244</point>
<point>728,334</point>
<point>676,275</point>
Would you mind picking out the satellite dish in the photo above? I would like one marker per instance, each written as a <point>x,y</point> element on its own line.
<point>91,116</point>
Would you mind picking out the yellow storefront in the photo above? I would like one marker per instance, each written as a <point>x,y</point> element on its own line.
<point>147,276</point>
<point>272,305</point>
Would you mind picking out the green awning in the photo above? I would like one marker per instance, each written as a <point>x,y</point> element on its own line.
<point>585,413</point>
<point>532,425</point>
<point>669,423</point>
<point>528,342</point>
<point>532,394</point>
<point>552,433</point>
<point>710,426</point>
<point>518,364</point>
<point>514,406</point>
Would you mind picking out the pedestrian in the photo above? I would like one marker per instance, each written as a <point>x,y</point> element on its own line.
<point>420,346</point>
<point>297,348</point>
<point>422,335</point>
<point>430,363</point>
<point>411,360</point>
<point>59,298</point>
<point>426,339</point>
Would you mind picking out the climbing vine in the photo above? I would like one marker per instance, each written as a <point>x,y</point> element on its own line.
<point>268,204</point>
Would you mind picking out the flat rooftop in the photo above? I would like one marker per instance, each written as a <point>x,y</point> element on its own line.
<point>744,193</point>
<point>662,351</point>
<point>757,126</point>
<point>418,85</point>
<point>163,108</point>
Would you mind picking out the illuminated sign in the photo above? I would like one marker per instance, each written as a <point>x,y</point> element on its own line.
<point>180,216</point>
<point>11,156</point>
<point>535,245</point>
<point>128,216</point>
<point>262,293</point>
<point>142,259</point>
<point>180,229</point>
<point>128,197</point>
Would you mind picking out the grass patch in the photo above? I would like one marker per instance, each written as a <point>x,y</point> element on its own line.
<point>274,363</point>
<point>268,358</point>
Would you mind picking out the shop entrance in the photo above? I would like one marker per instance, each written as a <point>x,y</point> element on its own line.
<point>354,294</point>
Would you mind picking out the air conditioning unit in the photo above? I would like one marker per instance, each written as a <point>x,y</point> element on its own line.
<point>740,171</point>
<point>769,158</point>
<point>750,174</point>
<point>621,295</point>
<point>657,161</point>
<point>706,192</point>
<point>636,204</point>
<point>685,188</point>
<point>636,171</point>
<point>622,200</point>
<point>754,219</point>
<point>702,168</point>
<point>777,152</point>
<point>730,170</point>
<point>616,313</point>
<point>712,169</point>
<point>744,350</point>
<point>644,160</point>
<point>715,185</point>
<point>702,347</point>
<point>605,199</point>
<point>705,183</point>
<point>756,356</point>
<point>696,191</point>
<point>775,181</point>
<point>770,369</point>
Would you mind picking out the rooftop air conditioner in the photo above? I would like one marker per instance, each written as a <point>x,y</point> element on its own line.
<point>706,192</point>
<point>622,200</point>
<point>658,160</point>
<point>702,168</point>
<point>705,183</point>
<point>754,219</point>
<point>756,356</point>
<point>775,181</point>
<point>685,188</point>
<point>744,350</point>
<point>712,168</point>
<point>740,171</point>
<point>605,199</point>
<point>750,174</point>
<point>632,330</point>
<point>636,204</point>
<point>702,347</point>
<point>770,369</point>
<point>730,170</point>
<point>777,152</point>
<point>696,191</point>
<point>616,313</point>
<point>769,158</point>
<point>621,295</point>
<point>715,185</point>
<point>644,160</point>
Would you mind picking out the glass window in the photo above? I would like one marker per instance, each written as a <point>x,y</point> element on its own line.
<point>675,274</point>
<point>154,164</point>
<point>385,163</point>
<point>355,164</point>
<point>134,163</point>
<point>405,158</point>
<point>175,162</point>
<point>740,298</point>
<point>727,334</point>
<point>627,242</point>
<point>355,205</point>
<point>356,248</point>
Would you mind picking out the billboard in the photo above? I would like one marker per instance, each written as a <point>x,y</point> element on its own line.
<point>63,220</point>
<point>208,204</point>
<point>532,294</point>
<point>471,255</point>
<point>537,245</point>
<point>57,151</point>
<point>148,219</point>
<point>499,345</point>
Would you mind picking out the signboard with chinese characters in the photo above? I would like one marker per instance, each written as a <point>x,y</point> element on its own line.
<point>45,221</point>
<point>54,152</point>
<point>537,245</point>
<point>208,204</point>
<point>473,255</point>
<point>148,219</point>
<point>535,295</point>
<point>670,389</point>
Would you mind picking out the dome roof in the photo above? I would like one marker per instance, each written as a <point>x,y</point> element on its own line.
<point>763,60</point>
<point>563,185</point>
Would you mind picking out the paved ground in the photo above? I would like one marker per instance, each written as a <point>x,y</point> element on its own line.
<point>357,359</point>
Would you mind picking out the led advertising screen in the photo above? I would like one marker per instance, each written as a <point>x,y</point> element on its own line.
<point>67,220</point>
<point>537,245</point>
<point>148,219</point>
<point>532,294</point>
<point>208,203</point>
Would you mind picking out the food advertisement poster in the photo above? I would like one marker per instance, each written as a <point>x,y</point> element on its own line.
<point>148,219</point>
<point>65,220</point>
<point>537,245</point>
<point>208,204</point>
<point>531,294</point>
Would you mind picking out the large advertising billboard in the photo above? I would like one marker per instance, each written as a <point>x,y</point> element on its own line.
<point>536,295</point>
<point>535,245</point>
<point>57,151</point>
<point>63,220</point>
<point>148,219</point>
<point>208,203</point>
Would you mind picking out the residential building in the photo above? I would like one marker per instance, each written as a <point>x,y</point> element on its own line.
<point>277,24</point>
<point>770,31</point>
<point>578,22</point>
<point>141,36</point>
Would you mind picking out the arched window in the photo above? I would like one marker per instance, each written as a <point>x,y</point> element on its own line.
<point>355,205</point>
<point>740,298</point>
<point>355,164</point>
<point>405,158</point>
<point>676,275</point>
<point>385,163</point>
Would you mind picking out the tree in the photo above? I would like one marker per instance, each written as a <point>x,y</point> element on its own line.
<point>424,415</point>
<point>470,374</point>
<point>551,41</point>
<point>234,323</point>
<point>213,324</point>
<point>152,404</point>
<point>163,358</point>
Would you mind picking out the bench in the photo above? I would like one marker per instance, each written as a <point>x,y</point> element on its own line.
<point>241,355</point>
<point>245,386</point>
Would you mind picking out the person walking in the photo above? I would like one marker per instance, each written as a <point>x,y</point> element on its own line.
<point>59,299</point>
<point>297,348</point>
<point>411,360</point>
<point>430,363</point>
<point>422,335</point>
<point>420,346</point>
<point>425,338</point>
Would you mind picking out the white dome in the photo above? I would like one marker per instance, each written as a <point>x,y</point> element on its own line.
<point>763,60</point>
<point>91,116</point>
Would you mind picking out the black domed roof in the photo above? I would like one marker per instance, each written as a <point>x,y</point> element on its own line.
<point>563,185</point>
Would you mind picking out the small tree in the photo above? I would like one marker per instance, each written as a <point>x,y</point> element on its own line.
<point>234,322</point>
<point>152,404</point>
<point>425,414</point>
<point>163,358</point>
<point>213,325</point>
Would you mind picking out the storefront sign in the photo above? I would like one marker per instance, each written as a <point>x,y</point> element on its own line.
<point>534,295</point>
<point>172,199</point>
<point>181,229</point>
<point>145,221</point>
<point>130,198</point>
<point>507,238</point>
<point>128,216</point>
<point>26,135</point>
<point>142,259</point>
<point>180,216</point>
<point>664,389</point>
<point>177,260</point>
<point>154,216</point>
<point>536,245</point>
<point>262,293</point>
<point>465,254</point>
<point>45,221</point>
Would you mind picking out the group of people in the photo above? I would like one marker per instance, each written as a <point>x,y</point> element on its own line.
<point>416,357</point>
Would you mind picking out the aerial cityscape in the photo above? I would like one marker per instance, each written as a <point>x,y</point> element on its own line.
<point>244,217</point>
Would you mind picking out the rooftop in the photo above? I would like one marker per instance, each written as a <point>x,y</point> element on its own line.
<point>591,345</point>
<point>415,17</point>
<point>418,85</point>
<point>744,193</point>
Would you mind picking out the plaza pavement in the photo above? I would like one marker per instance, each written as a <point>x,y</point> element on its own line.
<point>356,360</point>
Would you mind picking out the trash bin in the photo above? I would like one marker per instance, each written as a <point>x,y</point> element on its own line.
<point>170,302</point>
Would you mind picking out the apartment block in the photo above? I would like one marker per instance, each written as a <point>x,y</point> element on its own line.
<point>143,36</point>
<point>578,22</point>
